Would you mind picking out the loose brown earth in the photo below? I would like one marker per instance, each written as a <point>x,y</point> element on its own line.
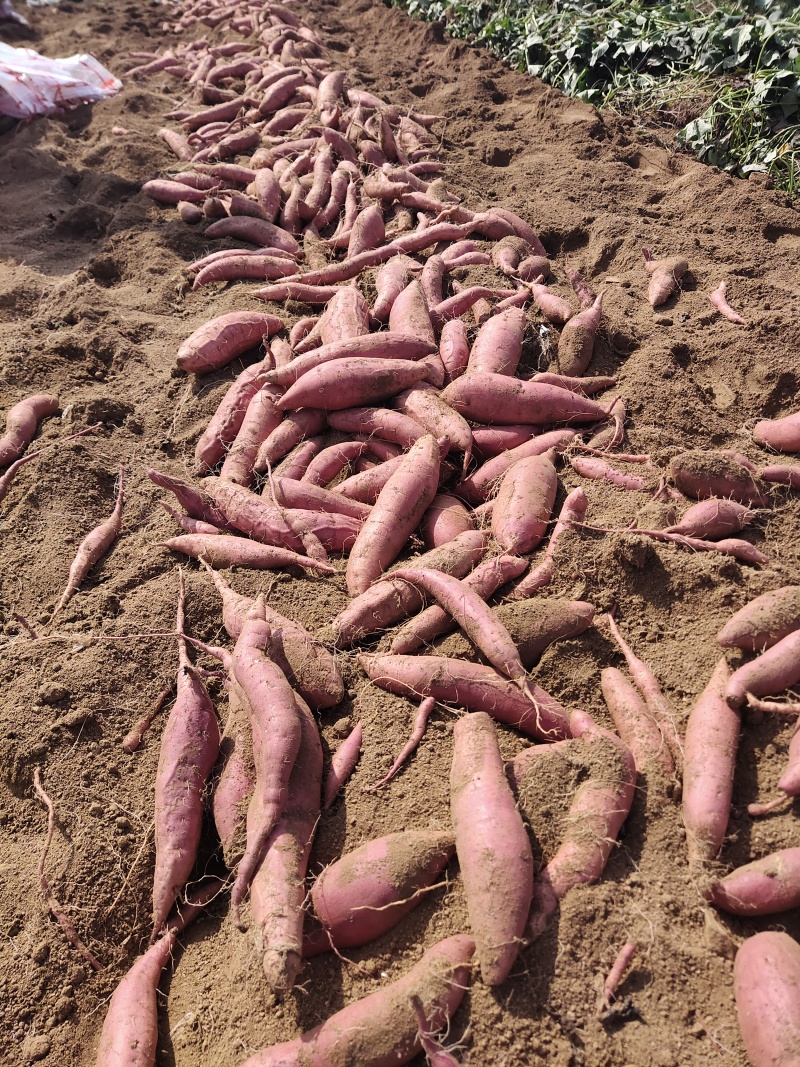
<point>93,305</point>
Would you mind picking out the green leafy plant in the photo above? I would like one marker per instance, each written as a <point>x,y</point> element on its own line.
<point>725,80</point>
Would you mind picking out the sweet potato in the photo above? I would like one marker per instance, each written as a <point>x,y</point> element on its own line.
<point>781,434</point>
<point>498,346</point>
<point>382,1029</point>
<point>470,686</point>
<point>130,1030</point>
<point>291,493</point>
<point>764,621</point>
<point>701,474</point>
<point>486,579</point>
<point>236,780</point>
<point>665,276</point>
<point>277,893</point>
<point>426,406</point>
<point>409,314</point>
<point>554,308</point>
<point>712,739</point>
<point>21,422</point>
<point>497,398</point>
<point>198,504</point>
<point>719,300</point>
<point>227,419</point>
<point>764,887</point>
<point>342,764</point>
<point>766,980</point>
<point>396,514</point>
<point>260,419</point>
<point>227,551</point>
<point>390,281</point>
<point>712,518</point>
<point>524,504</point>
<point>573,510</point>
<point>426,708</point>
<point>773,671</point>
<point>476,619</point>
<point>347,383</point>
<point>254,515</point>
<point>576,342</point>
<point>92,548</point>
<point>388,601</point>
<point>491,441</point>
<point>276,726</point>
<point>635,725</point>
<point>380,422</point>
<point>596,814</point>
<point>296,427</point>
<point>217,342</point>
<point>647,684</point>
<point>480,484</point>
<point>782,473</point>
<point>382,346</point>
<point>494,853</point>
<point>366,486</point>
<point>307,664</point>
<point>189,749</point>
<point>369,890</point>
<point>445,519</point>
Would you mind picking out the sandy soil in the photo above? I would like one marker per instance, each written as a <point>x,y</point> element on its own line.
<point>93,305</point>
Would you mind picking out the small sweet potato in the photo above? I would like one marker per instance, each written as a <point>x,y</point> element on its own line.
<point>764,887</point>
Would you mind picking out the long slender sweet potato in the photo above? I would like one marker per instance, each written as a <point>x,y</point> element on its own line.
<point>766,978</point>
<point>388,601</point>
<point>92,548</point>
<point>217,342</point>
<point>596,814</point>
<point>635,725</point>
<point>278,892</point>
<point>292,493</point>
<point>254,515</point>
<point>434,621</point>
<point>342,764</point>
<point>382,1029</point>
<point>654,698</point>
<point>712,739</point>
<point>189,749</point>
<point>227,419</point>
<point>476,619</point>
<point>372,345</point>
<point>226,551</point>
<point>21,422</point>
<point>764,887</point>
<point>236,780</point>
<point>470,686</point>
<point>494,853</point>
<point>764,621</point>
<point>260,419</point>
<point>276,726</point>
<point>369,890</point>
<point>396,514</point>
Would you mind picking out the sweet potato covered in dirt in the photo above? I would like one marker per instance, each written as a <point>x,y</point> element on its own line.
<point>369,890</point>
<point>764,621</point>
<point>382,1029</point>
<point>701,474</point>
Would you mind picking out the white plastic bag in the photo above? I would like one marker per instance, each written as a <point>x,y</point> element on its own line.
<point>31,84</point>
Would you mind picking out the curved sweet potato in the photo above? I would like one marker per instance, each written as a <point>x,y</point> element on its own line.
<point>222,339</point>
